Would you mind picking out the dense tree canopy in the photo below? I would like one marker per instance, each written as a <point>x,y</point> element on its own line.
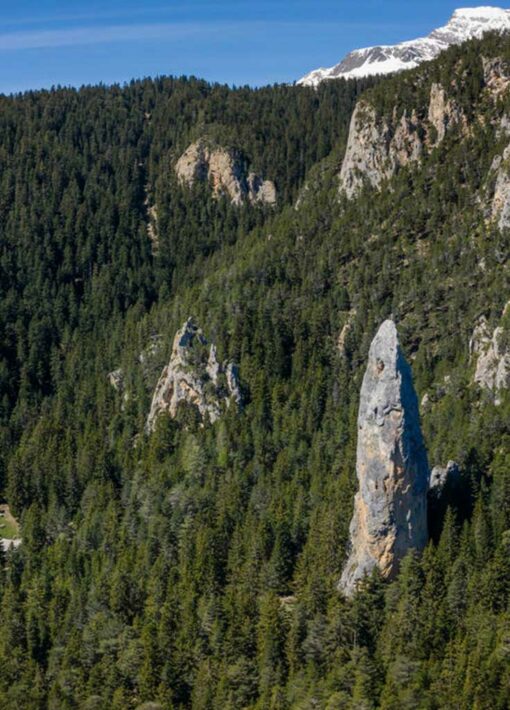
<point>197,567</point>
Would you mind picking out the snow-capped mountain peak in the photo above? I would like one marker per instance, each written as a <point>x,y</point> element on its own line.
<point>465,23</point>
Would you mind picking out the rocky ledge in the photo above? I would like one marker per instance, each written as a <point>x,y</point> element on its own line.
<point>390,507</point>
<point>194,376</point>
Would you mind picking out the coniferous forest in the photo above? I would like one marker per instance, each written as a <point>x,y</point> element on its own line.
<point>197,566</point>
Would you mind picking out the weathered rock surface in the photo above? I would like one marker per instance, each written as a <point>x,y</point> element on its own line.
<point>440,475</point>
<point>500,207</point>
<point>152,227</point>
<point>259,190</point>
<point>194,376</point>
<point>344,333</point>
<point>225,170</point>
<point>491,351</point>
<point>366,156</point>
<point>496,74</point>
<point>390,507</point>
<point>116,379</point>
<point>8,543</point>
<point>378,147</point>
<point>443,113</point>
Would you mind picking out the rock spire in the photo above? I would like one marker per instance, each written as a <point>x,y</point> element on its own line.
<point>390,507</point>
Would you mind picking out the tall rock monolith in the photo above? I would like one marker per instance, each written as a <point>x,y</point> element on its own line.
<point>390,507</point>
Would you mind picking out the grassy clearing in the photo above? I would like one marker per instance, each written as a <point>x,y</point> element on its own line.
<point>9,528</point>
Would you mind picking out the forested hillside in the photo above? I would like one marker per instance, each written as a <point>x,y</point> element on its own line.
<point>196,566</point>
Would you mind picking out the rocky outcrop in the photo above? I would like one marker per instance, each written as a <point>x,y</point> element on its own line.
<point>8,544</point>
<point>225,170</point>
<point>195,377</point>
<point>496,74</point>
<point>441,475</point>
<point>378,146</point>
<point>7,520</point>
<point>344,333</point>
<point>490,349</point>
<point>497,81</point>
<point>116,379</point>
<point>261,191</point>
<point>443,113</point>
<point>152,227</point>
<point>390,507</point>
<point>366,156</point>
<point>500,206</point>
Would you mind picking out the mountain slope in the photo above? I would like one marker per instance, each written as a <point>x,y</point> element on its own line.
<point>196,566</point>
<point>464,24</point>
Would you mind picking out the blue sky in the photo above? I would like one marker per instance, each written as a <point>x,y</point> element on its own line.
<point>45,43</point>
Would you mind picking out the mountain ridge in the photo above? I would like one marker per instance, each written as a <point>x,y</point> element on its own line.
<point>465,23</point>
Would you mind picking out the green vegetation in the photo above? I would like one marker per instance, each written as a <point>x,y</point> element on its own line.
<point>9,528</point>
<point>197,568</point>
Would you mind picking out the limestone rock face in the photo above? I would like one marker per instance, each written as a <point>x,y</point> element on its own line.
<point>366,155</point>
<point>194,376</point>
<point>261,191</point>
<point>440,475</point>
<point>390,507</point>
<point>377,148</point>
<point>496,73</point>
<point>443,113</point>
<point>500,208</point>
<point>491,350</point>
<point>225,170</point>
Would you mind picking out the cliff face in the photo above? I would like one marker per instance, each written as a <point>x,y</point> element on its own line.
<point>443,114</point>
<point>500,207</point>
<point>367,154</point>
<point>390,507</point>
<point>378,147</point>
<point>491,351</point>
<point>194,376</point>
<point>225,170</point>
<point>496,74</point>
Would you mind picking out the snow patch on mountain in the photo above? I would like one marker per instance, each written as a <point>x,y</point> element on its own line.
<point>465,23</point>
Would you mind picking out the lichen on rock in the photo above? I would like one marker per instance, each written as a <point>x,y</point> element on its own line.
<point>390,507</point>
